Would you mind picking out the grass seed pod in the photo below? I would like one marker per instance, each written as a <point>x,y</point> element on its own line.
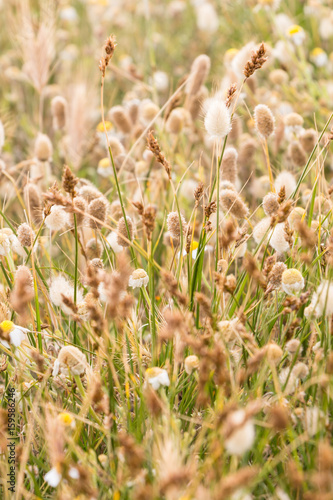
<point>125,232</point>
<point>59,112</point>
<point>97,210</point>
<point>229,165</point>
<point>43,147</point>
<point>199,72</point>
<point>264,120</point>
<point>121,119</point>
<point>231,202</point>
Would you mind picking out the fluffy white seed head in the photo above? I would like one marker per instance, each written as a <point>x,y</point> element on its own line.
<point>217,118</point>
<point>207,18</point>
<point>60,287</point>
<point>112,240</point>
<point>261,231</point>
<point>57,219</point>
<point>70,360</point>
<point>322,299</point>
<point>287,180</point>
<point>242,438</point>
<point>278,239</point>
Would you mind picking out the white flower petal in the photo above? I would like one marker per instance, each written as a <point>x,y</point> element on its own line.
<point>74,473</point>
<point>56,368</point>
<point>53,477</point>
<point>16,337</point>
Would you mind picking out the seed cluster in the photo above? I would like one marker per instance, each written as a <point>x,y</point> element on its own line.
<point>166,249</point>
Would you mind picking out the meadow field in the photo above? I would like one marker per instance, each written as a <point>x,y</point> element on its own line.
<point>166,249</point>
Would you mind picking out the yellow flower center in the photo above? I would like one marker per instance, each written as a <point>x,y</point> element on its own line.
<point>104,163</point>
<point>65,418</point>
<point>7,326</point>
<point>293,30</point>
<point>194,245</point>
<point>317,52</point>
<point>230,53</point>
<point>291,276</point>
<point>138,274</point>
<point>153,372</point>
<point>108,126</point>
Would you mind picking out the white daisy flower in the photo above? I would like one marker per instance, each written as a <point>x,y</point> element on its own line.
<point>74,473</point>
<point>14,333</point>
<point>104,168</point>
<point>319,57</point>
<point>292,281</point>
<point>138,278</point>
<point>296,34</point>
<point>66,419</point>
<point>191,363</point>
<point>156,377</point>
<point>53,477</point>
<point>242,438</point>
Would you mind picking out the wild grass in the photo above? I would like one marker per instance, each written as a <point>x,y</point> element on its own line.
<point>166,250</point>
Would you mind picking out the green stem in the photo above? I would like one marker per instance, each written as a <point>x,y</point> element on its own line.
<point>75,273</point>
<point>152,299</point>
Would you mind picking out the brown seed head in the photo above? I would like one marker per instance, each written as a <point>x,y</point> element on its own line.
<point>115,210</point>
<point>308,140</point>
<point>89,193</point>
<point>80,207</point>
<point>264,120</point>
<point>110,45</point>
<point>43,147</point>
<point>97,209</point>
<point>230,94</point>
<point>25,235</point>
<point>247,149</point>
<point>59,112</point>
<point>279,418</point>
<point>271,204</point>
<point>173,225</point>
<point>257,60</point>
<point>94,249</point>
<point>231,202</point>
<point>154,147</point>
<point>275,276</point>
<point>229,165</point>
<point>23,291</point>
<point>69,181</point>
<point>297,154</point>
<point>124,232</point>
<point>198,193</point>
<point>120,118</point>
<point>199,71</point>
<point>33,200</point>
